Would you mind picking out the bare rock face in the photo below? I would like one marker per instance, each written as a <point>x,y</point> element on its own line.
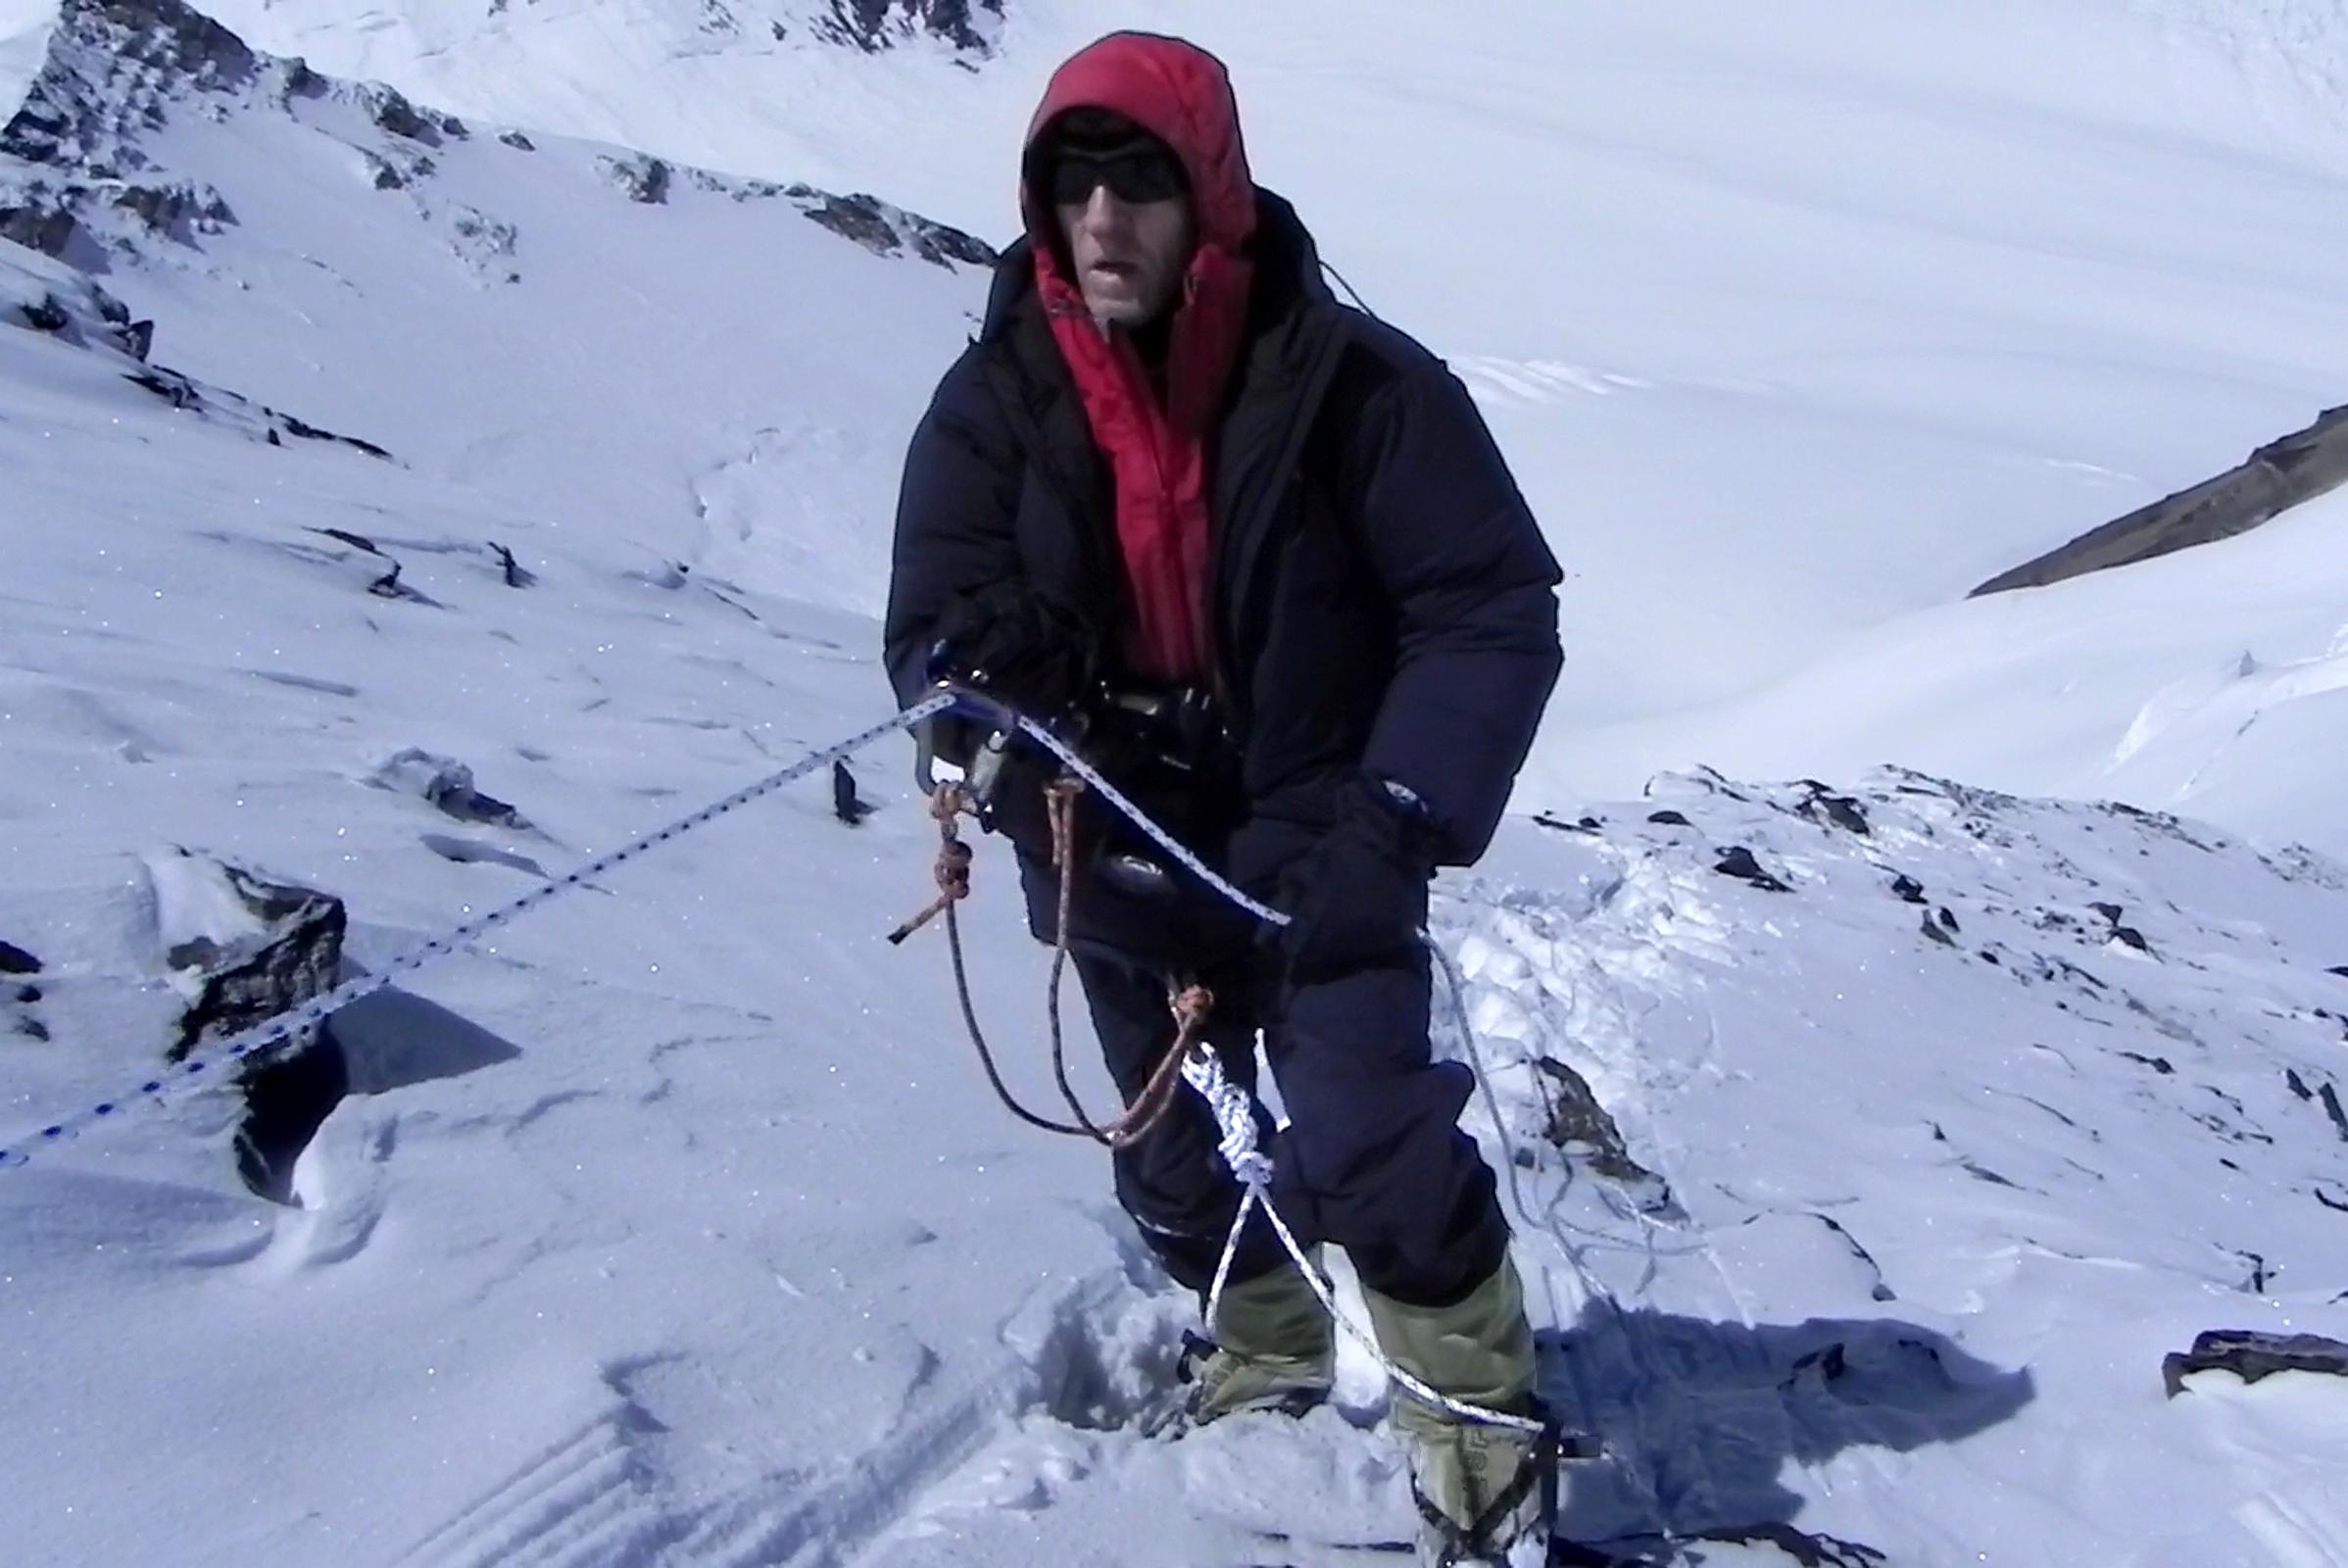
<point>113,66</point>
<point>243,949</point>
<point>2275,478</point>
<point>873,26</point>
<point>887,230</point>
<point>2252,1355</point>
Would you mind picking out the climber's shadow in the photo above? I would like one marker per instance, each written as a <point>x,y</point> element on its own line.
<point>1701,1417</point>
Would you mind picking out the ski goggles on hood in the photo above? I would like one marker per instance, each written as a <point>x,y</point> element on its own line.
<point>1138,170</point>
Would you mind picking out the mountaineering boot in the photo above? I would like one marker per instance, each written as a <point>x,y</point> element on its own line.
<point>1486,1492</point>
<point>1274,1348</point>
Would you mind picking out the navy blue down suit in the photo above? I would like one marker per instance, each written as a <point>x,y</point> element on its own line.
<point>1383,605</point>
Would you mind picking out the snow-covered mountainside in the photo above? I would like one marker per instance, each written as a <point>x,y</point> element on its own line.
<point>401,500</point>
<point>658,360</point>
<point>1797,320</point>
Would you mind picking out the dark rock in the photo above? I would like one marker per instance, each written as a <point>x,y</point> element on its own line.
<point>845,804</point>
<point>1737,861</point>
<point>1579,1122</point>
<point>171,386</point>
<point>311,433</point>
<point>1840,810</point>
<point>15,960</point>
<point>32,1029</point>
<point>2252,1355</point>
<point>176,212</point>
<point>46,316</point>
<point>1558,824</point>
<point>1669,819</point>
<point>515,139</point>
<point>298,80</point>
<point>873,26</point>
<point>357,541</point>
<point>1948,921</point>
<point>2340,969</point>
<point>396,114</point>
<point>243,981</point>
<point>1906,887</point>
<point>46,229</point>
<point>447,785</point>
<point>645,178</point>
<point>515,575</point>
<point>2125,935</point>
<point>2159,1064</point>
<point>1931,929</point>
<point>859,218</point>
<point>2276,477</point>
<point>1807,1550</point>
<point>2331,1107</point>
<point>138,339</point>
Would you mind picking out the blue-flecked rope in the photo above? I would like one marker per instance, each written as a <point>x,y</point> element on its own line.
<point>289,1027</point>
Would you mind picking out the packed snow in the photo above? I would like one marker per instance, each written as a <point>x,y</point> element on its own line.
<point>506,475</point>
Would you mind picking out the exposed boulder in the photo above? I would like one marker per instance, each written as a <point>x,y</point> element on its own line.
<point>447,785</point>
<point>1579,1124</point>
<point>2252,1355</point>
<point>643,177</point>
<point>243,949</point>
<point>1739,862</point>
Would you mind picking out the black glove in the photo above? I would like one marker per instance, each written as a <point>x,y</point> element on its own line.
<point>1357,896</point>
<point>1014,644</point>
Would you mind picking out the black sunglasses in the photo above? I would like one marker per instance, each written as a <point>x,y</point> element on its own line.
<point>1138,175</point>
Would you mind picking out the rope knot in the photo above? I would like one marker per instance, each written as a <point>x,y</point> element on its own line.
<point>948,804</point>
<point>953,869</point>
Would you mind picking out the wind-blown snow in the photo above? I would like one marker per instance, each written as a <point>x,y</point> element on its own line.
<point>676,1225</point>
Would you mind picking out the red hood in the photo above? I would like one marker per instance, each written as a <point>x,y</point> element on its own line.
<point>1156,429</point>
<point>1180,94</point>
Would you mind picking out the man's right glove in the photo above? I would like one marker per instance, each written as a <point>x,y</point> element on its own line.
<point>1013,643</point>
<point>1356,897</point>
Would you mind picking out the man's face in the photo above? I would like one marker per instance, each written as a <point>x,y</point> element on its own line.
<point>1130,248</point>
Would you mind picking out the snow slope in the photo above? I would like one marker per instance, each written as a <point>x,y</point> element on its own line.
<point>1795,320</point>
<point>675,1225</point>
<point>681,377</point>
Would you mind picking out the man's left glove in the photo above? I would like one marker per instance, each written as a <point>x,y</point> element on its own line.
<point>1356,897</point>
<point>1014,644</point>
